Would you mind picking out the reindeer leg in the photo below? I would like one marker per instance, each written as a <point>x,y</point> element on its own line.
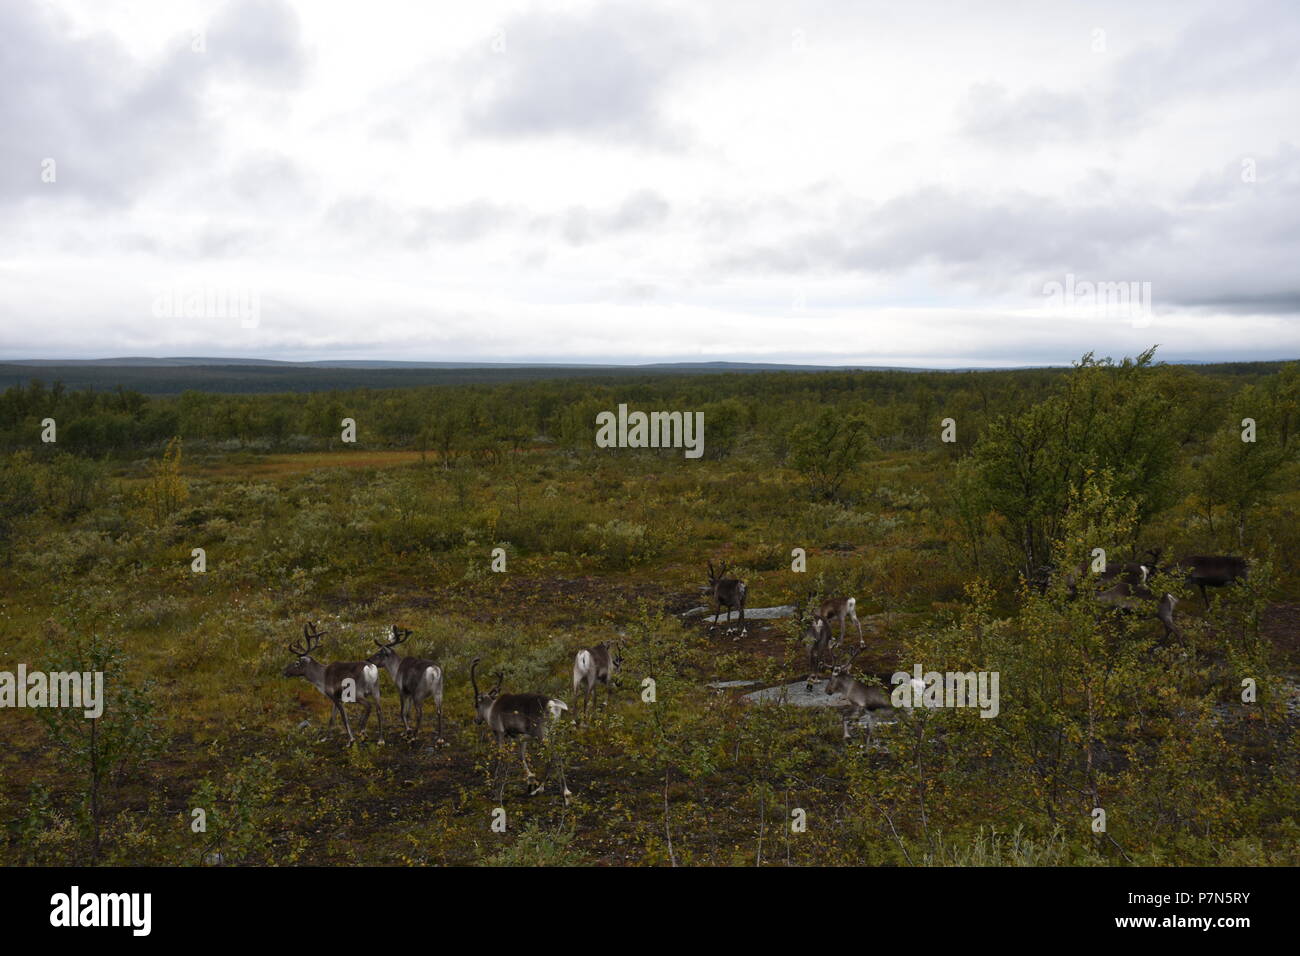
<point>346,726</point>
<point>528,771</point>
<point>859,627</point>
<point>419,715</point>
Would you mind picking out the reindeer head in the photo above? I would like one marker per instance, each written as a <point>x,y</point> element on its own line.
<point>615,659</point>
<point>842,675</point>
<point>483,702</point>
<point>386,655</point>
<point>816,627</point>
<point>302,650</point>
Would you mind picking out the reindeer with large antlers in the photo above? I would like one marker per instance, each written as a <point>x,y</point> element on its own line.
<point>862,698</point>
<point>727,592</point>
<point>516,715</point>
<point>340,681</point>
<point>416,678</point>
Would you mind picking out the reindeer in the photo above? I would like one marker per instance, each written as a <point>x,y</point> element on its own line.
<point>415,677</point>
<point>729,592</point>
<point>841,608</point>
<point>862,698</point>
<point>1128,597</point>
<point>516,715</point>
<point>331,680</point>
<point>1129,572</point>
<point>1213,571</point>
<point>819,650</point>
<point>593,666</point>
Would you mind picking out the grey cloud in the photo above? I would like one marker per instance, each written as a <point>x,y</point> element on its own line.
<point>1031,118</point>
<point>1226,52</point>
<point>963,234</point>
<point>598,73</point>
<point>114,125</point>
<point>378,221</point>
<point>259,40</point>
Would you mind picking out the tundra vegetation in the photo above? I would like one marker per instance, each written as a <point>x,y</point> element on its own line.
<point>936,540</point>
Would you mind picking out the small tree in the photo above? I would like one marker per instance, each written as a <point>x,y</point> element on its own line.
<point>166,491</point>
<point>827,450</point>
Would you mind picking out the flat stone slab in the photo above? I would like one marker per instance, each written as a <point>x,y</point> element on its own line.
<point>751,613</point>
<point>798,695</point>
<point>731,684</point>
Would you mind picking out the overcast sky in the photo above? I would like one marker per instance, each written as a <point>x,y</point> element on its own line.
<point>842,182</point>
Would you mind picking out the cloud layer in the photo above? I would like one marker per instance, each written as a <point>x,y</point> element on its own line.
<point>593,182</point>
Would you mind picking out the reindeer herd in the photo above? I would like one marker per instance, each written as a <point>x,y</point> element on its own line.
<point>507,716</point>
<point>524,716</point>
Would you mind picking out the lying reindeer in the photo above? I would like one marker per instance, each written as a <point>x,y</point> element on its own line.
<point>864,699</point>
<point>416,678</point>
<point>516,715</point>
<point>332,680</point>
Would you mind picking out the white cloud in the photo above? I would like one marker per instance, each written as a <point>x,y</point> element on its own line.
<point>889,185</point>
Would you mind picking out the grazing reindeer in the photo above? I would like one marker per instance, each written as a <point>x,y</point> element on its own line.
<point>331,680</point>
<point>1129,572</point>
<point>1213,571</point>
<point>862,698</point>
<point>415,677</point>
<point>728,592</point>
<point>593,666</point>
<point>516,715</point>
<point>841,608</point>
<point>819,651</point>
<point>1129,597</point>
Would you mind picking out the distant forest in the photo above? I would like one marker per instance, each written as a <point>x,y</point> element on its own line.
<point>117,410</point>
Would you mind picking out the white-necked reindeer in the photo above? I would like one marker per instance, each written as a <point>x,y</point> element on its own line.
<point>417,679</point>
<point>593,666</point>
<point>862,698</point>
<point>335,680</point>
<point>516,715</point>
<point>729,593</point>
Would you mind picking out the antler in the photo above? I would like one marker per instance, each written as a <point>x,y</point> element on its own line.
<point>849,663</point>
<point>313,639</point>
<point>472,678</point>
<point>399,635</point>
<point>314,636</point>
<point>501,675</point>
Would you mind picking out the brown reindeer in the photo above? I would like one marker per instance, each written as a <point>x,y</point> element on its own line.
<point>818,634</point>
<point>417,679</point>
<point>729,593</point>
<point>342,681</point>
<point>593,666</point>
<point>516,715</point>
<point>862,698</point>
<point>842,609</point>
